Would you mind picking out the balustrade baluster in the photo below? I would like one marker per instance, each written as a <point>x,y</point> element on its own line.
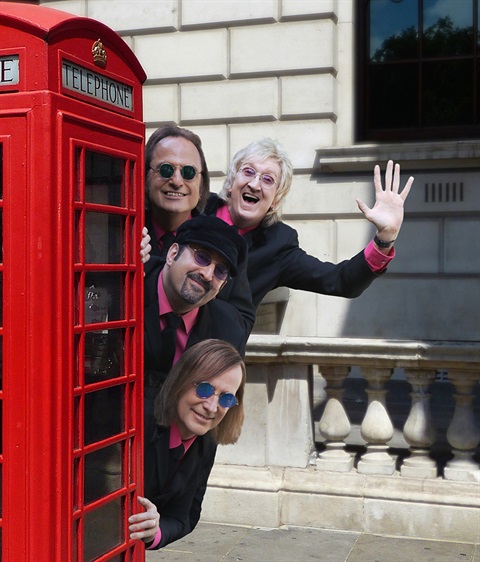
<point>418,430</point>
<point>376,428</point>
<point>334,424</point>
<point>463,434</point>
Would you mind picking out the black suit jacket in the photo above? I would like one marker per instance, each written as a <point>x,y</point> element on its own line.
<point>216,319</point>
<point>236,291</point>
<point>179,497</point>
<point>276,260</point>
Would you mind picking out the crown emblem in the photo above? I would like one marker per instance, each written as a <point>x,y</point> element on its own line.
<point>99,54</point>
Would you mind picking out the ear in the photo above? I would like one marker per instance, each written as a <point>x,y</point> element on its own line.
<point>172,253</point>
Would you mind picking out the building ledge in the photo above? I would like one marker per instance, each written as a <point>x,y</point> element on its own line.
<point>393,505</point>
<point>428,155</point>
<point>359,351</point>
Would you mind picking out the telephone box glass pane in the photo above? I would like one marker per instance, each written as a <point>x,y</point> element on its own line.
<point>104,238</point>
<point>104,353</point>
<point>1,303</point>
<point>104,179</point>
<point>1,235</point>
<point>103,297</point>
<point>103,472</point>
<point>103,530</point>
<point>104,413</point>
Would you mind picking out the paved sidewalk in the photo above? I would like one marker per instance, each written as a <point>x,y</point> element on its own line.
<point>228,543</point>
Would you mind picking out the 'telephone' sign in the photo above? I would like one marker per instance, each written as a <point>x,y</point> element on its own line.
<point>9,73</point>
<point>89,83</point>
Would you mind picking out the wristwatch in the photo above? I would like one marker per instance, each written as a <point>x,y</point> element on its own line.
<point>382,243</point>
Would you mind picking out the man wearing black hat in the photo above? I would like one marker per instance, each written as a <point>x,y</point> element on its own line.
<point>180,304</point>
<point>176,188</point>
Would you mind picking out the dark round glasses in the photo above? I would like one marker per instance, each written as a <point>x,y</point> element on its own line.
<point>167,170</point>
<point>204,259</point>
<point>225,400</point>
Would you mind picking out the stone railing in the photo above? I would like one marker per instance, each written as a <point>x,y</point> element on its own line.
<point>277,475</point>
<point>283,407</point>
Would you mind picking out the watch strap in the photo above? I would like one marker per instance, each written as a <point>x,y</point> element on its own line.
<point>382,243</point>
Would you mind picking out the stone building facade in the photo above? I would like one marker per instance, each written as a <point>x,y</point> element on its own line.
<point>236,70</point>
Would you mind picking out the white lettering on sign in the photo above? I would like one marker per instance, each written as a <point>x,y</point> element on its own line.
<point>88,83</point>
<point>9,70</point>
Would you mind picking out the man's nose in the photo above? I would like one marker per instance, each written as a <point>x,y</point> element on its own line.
<point>211,403</point>
<point>208,272</point>
<point>255,181</point>
<point>176,179</point>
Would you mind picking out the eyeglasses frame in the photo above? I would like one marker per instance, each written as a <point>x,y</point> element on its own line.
<point>181,168</point>
<point>195,250</point>
<point>257,175</point>
<point>219,394</point>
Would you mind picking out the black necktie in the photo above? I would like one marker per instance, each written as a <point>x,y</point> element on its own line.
<point>175,457</point>
<point>167,240</point>
<point>168,341</point>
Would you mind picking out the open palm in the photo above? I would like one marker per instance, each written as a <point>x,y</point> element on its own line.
<point>387,212</point>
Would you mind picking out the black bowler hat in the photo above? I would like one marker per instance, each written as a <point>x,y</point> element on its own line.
<point>215,234</point>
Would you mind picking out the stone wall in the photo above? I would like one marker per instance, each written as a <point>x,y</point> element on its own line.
<point>236,70</point>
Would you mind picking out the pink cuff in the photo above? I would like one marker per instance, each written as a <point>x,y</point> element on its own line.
<point>156,540</point>
<point>376,260</point>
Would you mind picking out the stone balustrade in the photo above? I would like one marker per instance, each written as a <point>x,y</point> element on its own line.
<point>284,367</point>
<point>278,475</point>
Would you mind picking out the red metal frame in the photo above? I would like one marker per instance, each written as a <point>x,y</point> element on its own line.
<point>49,396</point>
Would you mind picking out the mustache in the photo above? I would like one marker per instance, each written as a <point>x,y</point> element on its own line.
<point>207,285</point>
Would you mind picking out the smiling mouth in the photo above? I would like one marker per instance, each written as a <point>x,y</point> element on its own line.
<point>174,194</point>
<point>250,199</point>
<point>203,417</point>
<point>206,285</point>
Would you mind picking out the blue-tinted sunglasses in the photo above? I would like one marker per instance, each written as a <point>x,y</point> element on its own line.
<point>225,400</point>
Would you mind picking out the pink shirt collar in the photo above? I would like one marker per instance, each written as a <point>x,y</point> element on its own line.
<point>176,439</point>
<point>188,318</point>
<point>224,214</point>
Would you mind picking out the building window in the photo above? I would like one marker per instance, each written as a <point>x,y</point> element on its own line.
<point>418,69</point>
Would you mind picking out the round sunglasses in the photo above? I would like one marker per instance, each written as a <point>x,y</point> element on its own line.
<point>167,170</point>
<point>205,390</point>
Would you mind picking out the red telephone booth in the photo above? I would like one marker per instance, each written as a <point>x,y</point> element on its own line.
<point>71,202</point>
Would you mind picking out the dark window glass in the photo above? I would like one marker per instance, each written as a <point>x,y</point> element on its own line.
<point>104,414</point>
<point>104,177</point>
<point>103,472</point>
<point>393,99</point>
<point>103,529</point>
<point>393,30</point>
<point>447,93</point>
<point>1,171</point>
<point>103,238</point>
<point>418,69</point>
<point>104,355</point>
<point>103,297</point>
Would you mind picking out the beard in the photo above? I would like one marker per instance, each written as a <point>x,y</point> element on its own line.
<point>191,292</point>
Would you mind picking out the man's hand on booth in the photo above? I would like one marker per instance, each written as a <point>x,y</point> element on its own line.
<point>144,525</point>
<point>145,247</point>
